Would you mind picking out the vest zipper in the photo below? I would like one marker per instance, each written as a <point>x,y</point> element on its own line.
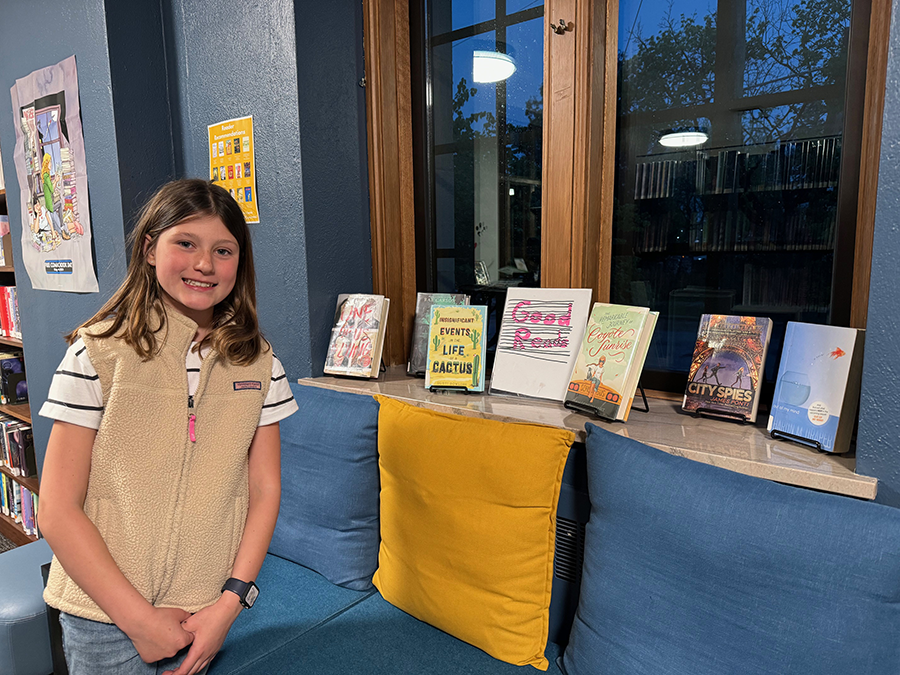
<point>192,418</point>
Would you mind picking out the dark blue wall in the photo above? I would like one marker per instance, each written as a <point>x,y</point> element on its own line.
<point>878,449</point>
<point>32,36</point>
<point>298,79</point>
<point>140,87</point>
<point>335,179</point>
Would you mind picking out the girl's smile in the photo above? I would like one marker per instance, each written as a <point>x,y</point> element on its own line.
<point>196,265</point>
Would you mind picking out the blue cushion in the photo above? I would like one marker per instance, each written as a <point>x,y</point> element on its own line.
<point>375,638</point>
<point>24,632</point>
<point>292,601</point>
<point>690,569</point>
<point>329,486</point>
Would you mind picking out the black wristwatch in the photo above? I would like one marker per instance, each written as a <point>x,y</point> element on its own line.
<point>246,591</point>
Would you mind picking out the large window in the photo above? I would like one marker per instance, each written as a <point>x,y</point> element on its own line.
<point>482,94</point>
<point>535,179</point>
<point>731,194</point>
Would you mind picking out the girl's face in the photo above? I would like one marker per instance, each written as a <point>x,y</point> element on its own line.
<point>196,265</point>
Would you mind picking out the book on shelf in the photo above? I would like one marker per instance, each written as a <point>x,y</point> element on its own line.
<point>540,334</point>
<point>357,338</point>
<point>727,366</point>
<point>9,313</point>
<point>817,389</point>
<point>13,386</point>
<point>17,447</point>
<point>19,504</point>
<point>418,348</point>
<point>610,360</point>
<point>456,341</point>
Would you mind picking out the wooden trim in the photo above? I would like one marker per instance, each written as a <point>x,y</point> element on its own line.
<point>595,137</point>
<point>579,145</point>
<point>559,144</point>
<point>873,114</point>
<point>389,124</point>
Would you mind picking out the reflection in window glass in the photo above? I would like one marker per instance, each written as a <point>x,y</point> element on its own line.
<point>485,127</point>
<point>745,222</point>
<point>513,6</point>
<point>465,13</point>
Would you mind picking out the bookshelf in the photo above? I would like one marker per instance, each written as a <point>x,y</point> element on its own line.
<point>9,528</point>
<point>748,212</point>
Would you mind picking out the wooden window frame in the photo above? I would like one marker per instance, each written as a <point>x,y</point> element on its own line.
<point>580,71</point>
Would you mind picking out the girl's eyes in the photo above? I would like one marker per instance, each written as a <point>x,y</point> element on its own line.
<point>224,252</point>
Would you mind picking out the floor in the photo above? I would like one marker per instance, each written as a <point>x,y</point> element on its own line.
<point>5,544</point>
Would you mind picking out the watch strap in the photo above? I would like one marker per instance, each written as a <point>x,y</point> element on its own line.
<point>247,591</point>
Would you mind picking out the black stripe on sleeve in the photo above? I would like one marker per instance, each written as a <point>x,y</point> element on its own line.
<point>280,377</point>
<point>79,375</point>
<point>275,405</point>
<point>75,406</point>
<point>80,351</point>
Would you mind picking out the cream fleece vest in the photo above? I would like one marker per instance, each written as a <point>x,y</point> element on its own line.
<point>171,510</point>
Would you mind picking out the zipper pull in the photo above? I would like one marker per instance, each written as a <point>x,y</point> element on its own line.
<point>192,418</point>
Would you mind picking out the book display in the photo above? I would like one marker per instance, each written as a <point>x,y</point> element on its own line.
<point>357,339</point>
<point>610,360</point>
<point>456,348</point>
<point>817,390</point>
<point>726,369</point>
<point>18,471</point>
<point>418,348</point>
<point>540,335</point>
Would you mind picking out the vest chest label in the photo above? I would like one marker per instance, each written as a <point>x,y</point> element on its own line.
<point>248,384</point>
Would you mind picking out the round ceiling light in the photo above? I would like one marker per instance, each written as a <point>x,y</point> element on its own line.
<point>683,138</point>
<point>492,66</point>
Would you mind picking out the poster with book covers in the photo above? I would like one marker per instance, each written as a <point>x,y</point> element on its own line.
<point>540,335</point>
<point>610,360</point>
<point>817,390</point>
<point>232,164</point>
<point>456,347</point>
<point>418,349</point>
<point>357,339</point>
<point>727,366</point>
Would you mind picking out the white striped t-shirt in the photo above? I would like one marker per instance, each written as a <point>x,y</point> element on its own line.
<point>77,397</point>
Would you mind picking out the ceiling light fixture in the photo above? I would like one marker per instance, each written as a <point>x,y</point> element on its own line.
<point>683,138</point>
<point>491,66</point>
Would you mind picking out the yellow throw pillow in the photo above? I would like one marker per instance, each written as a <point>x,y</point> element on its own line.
<point>468,518</point>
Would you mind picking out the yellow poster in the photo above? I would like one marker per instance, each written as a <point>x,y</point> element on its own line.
<point>231,163</point>
<point>456,347</point>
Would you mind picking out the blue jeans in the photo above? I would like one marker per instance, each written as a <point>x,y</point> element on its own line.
<point>94,648</point>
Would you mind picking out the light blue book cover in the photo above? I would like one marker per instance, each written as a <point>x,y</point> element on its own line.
<point>812,384</point>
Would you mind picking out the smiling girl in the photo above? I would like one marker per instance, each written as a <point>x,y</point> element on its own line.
<point>161,482</point>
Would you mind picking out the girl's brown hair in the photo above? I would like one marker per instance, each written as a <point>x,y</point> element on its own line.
<point>235,331</point>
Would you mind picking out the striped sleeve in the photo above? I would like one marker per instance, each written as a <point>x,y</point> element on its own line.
<point>75,393</point>
<point>280,401</point>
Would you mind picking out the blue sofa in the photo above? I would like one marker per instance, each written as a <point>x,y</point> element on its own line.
<point>687,569</point>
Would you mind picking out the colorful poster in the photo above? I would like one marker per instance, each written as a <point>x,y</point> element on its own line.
<point>231,163</point>
<point>53,187</point>
<point>456,347</point>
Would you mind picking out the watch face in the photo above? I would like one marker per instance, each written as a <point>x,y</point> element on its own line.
<point>251,595</point>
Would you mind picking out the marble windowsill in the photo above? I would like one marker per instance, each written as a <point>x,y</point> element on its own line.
<point>743,448</point>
